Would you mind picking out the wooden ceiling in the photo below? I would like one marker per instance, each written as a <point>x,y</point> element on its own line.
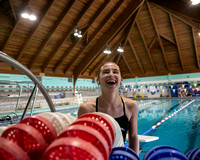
<point>159,37</point>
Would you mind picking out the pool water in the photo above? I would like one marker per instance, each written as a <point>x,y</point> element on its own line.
<point>181,131</point>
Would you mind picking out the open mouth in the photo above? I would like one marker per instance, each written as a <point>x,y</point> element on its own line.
<point>111,82</point>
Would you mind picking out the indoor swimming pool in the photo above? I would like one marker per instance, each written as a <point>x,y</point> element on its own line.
<point>181,131</point>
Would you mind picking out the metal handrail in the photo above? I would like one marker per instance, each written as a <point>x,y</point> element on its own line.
<point>9,60</point>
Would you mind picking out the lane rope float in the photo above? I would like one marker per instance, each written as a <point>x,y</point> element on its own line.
<point>163,120</point>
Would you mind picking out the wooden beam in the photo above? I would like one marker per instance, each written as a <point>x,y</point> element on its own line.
<point>129,68</point>
<point>83,34</point>
<point>113,51</point>
<point>118,58</point>
<point>177,42</point>
<point>112,56</point>
<point>145,45</point>
<point>105,58</point>
<point>136,56</point>
<point>108,58</point>
<point>34,30</point>
<point>10,35</point>
<point>152,43</point>
<point>114,28</point>
<point>13,11</point>
<point>114,48</point>
<point>86,38</point>
<point>128,30</point>
<point>132,23</point>
<point>74,83</point>
<point>168,39</point>
<point>96,68</point>
<point>127,34</point>
<point>180,7</point>
<point>195,36</point>
<point>104,22</point>
<point>7,13</point>
<point>158,36</point>
<point>66,36</point>
<point>48,38</point>
<point>185,19</point>
<point>117,44</point>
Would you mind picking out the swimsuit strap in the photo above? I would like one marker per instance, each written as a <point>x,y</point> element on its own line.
<point>123,106</point>
<point>97,104</point>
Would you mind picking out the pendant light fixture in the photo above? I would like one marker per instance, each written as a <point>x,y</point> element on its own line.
<point>28,13</point>
<point>120,48</point>
<point>77,32</point>
<point>107,50</point>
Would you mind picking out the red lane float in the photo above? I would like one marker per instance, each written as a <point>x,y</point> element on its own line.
<point>28,138</point>
<point>88,134</point>
<point>98,126</point>
<point>104,120</point>
<point>10,150</point>
<point>171,115</point>
<point>72,148</point>
<point>43,125</point>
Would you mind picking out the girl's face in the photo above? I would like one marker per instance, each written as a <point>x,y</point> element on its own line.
<point>110,76</point>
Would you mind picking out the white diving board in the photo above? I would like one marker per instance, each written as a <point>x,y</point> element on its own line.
<point>143,138</point>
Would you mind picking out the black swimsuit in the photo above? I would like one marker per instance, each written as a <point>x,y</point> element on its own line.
<point>122,121</point>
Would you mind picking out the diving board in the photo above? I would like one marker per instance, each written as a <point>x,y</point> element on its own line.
<point>143,138</point>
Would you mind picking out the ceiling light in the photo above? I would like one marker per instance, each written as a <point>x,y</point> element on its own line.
<point>107,50</point>
<point>32,17</point>
<point>28,14</point>
<point>195,2</point>
<point>25,14</point>
<point>120,49</point>
<point>77,32</point>
<point>199,34</point>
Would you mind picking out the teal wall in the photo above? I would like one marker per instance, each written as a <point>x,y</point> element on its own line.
<point>49,81</point>
<point>55,81</point>
<point>86,82</point>
<point>61,81</point>
<point>13,77</point>
<point>189,75</point>
<point>136,80</point>
<point>168,77</point>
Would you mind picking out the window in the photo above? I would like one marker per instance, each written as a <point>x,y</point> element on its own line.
<point>69,79</point>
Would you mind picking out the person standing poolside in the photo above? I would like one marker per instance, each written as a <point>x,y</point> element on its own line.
<point>124,110</point>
